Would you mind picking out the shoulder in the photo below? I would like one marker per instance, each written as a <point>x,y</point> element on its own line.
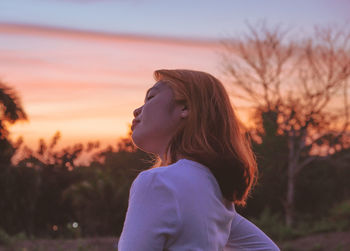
<point>152,190</point>
<point>150,176</point>
<point>152,179</point>
<point>185,178</point>
<point>183,171</point>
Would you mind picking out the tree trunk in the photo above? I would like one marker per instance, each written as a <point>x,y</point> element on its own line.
<point>289,205</point>
<point>292,165</point>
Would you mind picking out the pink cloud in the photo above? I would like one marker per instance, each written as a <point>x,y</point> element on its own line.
<point>29,29</point>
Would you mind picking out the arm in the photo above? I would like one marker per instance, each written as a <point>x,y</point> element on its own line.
<point>244,235</point>
<point>152,215</point>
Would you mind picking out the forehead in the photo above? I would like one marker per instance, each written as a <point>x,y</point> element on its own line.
<point>156,87</point>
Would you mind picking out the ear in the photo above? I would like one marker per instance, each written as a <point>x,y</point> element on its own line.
<point>184,112</point>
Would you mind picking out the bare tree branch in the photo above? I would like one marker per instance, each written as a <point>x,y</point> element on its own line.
<point>302,81</point>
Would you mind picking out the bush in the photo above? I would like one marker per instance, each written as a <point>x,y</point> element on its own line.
<point>338,219</point>
<point>5,239</point>
<point>340,215</point>
<point>72,231</point>
<point>274,227</point>
<point>321,226</point>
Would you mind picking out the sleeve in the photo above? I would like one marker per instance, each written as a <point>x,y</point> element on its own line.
<point>152,215</point>
<point>244,235</point>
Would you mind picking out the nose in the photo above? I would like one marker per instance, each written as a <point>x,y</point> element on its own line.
<point>137,111</point>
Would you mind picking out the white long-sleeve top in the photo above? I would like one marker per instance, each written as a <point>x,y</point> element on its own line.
<point>180,208</point>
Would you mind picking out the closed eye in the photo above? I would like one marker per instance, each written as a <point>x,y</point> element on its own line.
<point>149,97</point>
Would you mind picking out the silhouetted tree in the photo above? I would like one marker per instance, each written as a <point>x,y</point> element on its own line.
<point>100,198</point>
<point>11,111</point>
<point>271,151</point>
<point>299,85</point>
<point>53,173</point>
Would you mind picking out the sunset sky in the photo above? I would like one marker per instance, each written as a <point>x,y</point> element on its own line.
<point>82,66</point>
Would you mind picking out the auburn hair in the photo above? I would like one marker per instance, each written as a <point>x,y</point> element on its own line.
<point>212,134</point>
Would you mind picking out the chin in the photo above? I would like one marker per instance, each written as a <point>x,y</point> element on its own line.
<point>135,138</point>
<point>142,142</point>
<point>138,140</point>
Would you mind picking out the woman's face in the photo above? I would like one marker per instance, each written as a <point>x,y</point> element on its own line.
<point>157,120</point>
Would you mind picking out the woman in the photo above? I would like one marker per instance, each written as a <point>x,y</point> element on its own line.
<point>204,167</point>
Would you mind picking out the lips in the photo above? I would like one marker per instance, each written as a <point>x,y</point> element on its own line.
<point>134,123</point>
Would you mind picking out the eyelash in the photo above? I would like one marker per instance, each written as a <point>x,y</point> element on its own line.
<point>149,97</point>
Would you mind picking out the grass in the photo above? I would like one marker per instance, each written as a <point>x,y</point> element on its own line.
<point>86,244</point>
<point>338,241</point>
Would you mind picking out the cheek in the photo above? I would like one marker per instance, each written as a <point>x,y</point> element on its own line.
<point>155,115</point>
<point>146,129</point>
<point>156,123</point>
